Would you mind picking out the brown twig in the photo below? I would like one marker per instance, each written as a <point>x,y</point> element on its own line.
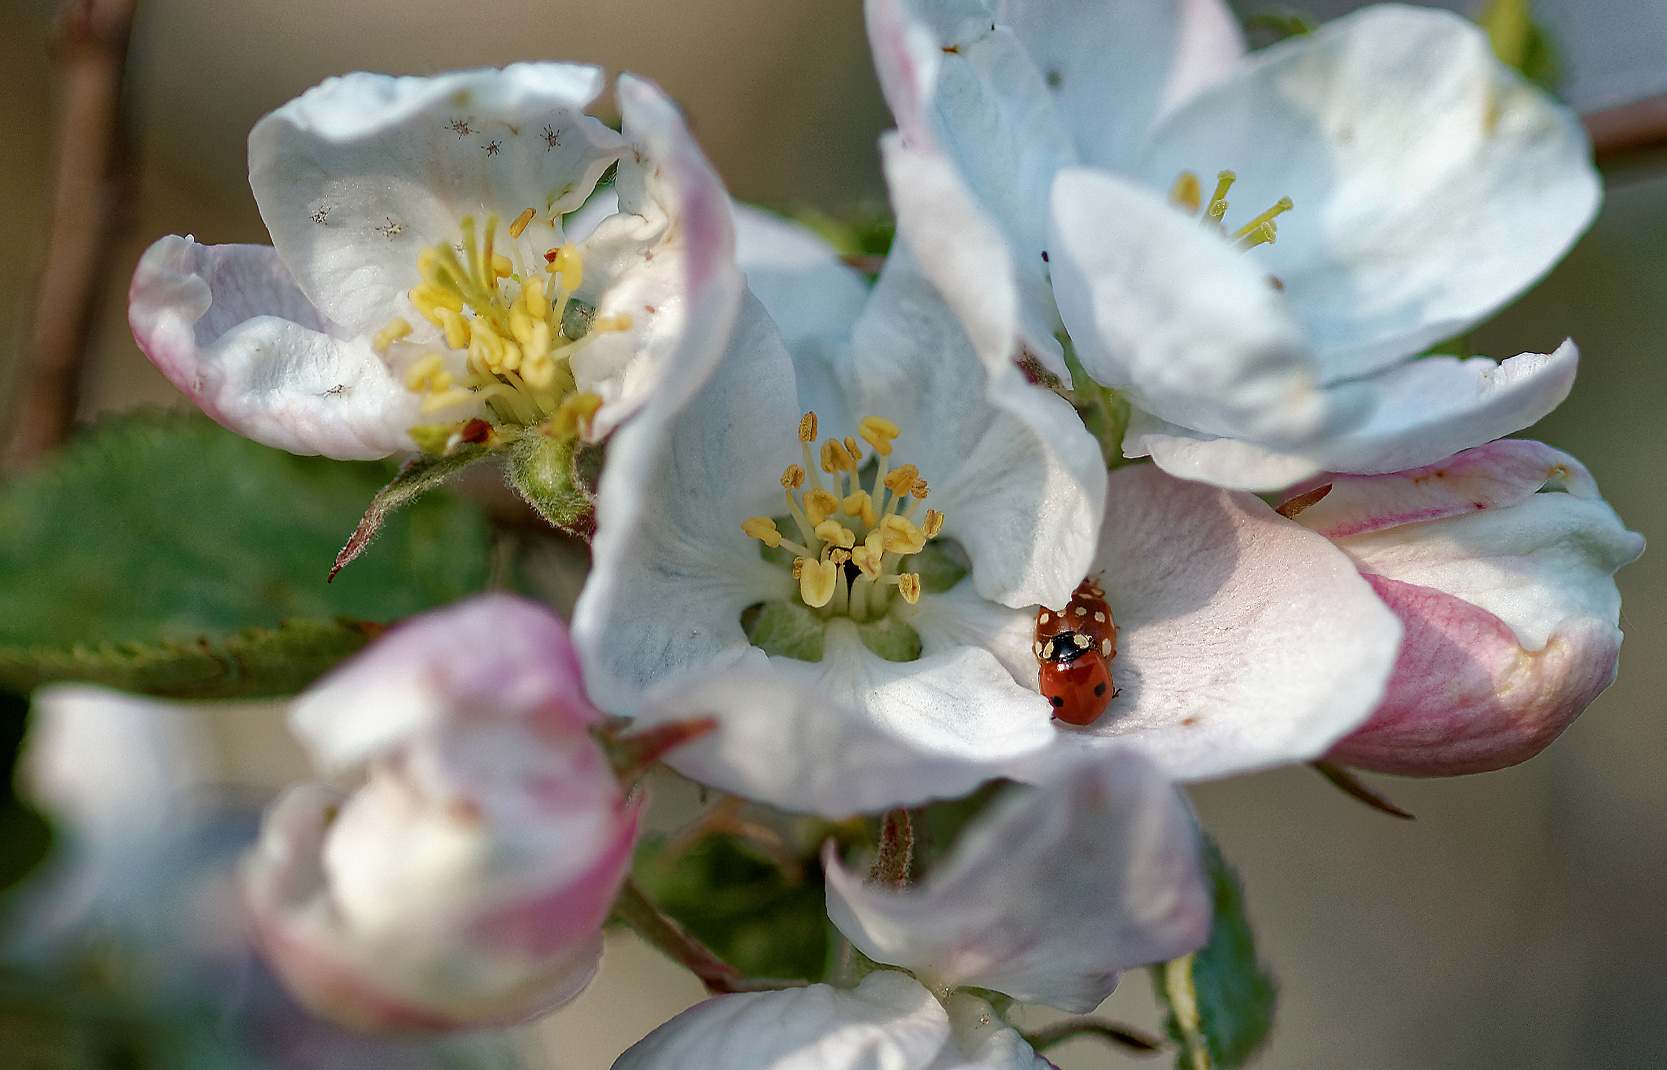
<point>92,44</point>
<point>1630,128</point>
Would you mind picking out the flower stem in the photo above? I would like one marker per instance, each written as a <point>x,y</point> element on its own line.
<point>1176,978</point>
<point>647,920</point>
<point>1115,1032</point>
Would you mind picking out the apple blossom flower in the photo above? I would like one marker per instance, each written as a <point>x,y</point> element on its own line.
<point>465,881</point>
<point>1045,898</point>
<point>434,263</point>
<point>1499,562</point>
<point>859,655</point>
<point>1046,172</point>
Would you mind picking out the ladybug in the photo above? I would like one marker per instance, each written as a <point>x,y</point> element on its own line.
<point>1073,649</point>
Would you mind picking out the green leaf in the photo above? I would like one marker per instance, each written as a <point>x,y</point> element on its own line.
<point>758,917</point>
<point>1520,42</point>
<point>1220,1000</point>
<point>164,554</point>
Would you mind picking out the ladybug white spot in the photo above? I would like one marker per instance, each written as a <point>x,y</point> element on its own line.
<point>1105,648</point>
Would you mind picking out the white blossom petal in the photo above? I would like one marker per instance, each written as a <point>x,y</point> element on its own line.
<point>1050,896</point>
<point>358,175</point>
<point>1018,478</point>
<point>1116,68</point>
<point>1423,411</point>
<point>853,733</point>
<point>1168,312</point>
<point>1243,642</point>
<point>977,143</point>
<point>811,295</point>
<point>888,1022</point>
<point>670,245</point>
<point>229,327</point>
<point>671,568</point>
<point>1431,183</point>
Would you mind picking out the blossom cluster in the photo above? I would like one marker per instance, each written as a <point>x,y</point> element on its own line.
<point>1139,462</point>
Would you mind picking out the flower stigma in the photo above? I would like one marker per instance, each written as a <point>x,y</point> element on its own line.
<point>1188,195</point>
<point>855,521</point>
<point>510,329</point>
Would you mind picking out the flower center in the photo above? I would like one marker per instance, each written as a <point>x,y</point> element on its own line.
<point>1187,194</point>
<point>857,528</point>
<point>510,330</point>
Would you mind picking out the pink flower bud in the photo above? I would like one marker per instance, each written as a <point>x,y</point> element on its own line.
<point>1500,563</point>
<point>465,880</point>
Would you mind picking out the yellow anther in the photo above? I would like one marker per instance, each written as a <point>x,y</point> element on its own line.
<point>832,531</point>
<point>807,427</point>
<point>899,481</point>
<point>816,581</point>
<point>454,396</point>
<point>919,489</point>
<point>819,505</point>
<point>878,432</point>
<point>426,297</point>
<point>793,477</point>
<point>867,557</point>
<point>569,266</point>
<point>456,327</point>
<point>855,451</point>
<point>908,585</point>
<point>521,222</point>
<point>839,557</point>
<point>537,370</point>
<point>428,373</point>
<point>575,414</point>
<point>502,266</point>
<point>799,564</point>
<point>901,536</point>
<point>860,505</point>
<point>534,299</point>
<point>843,459</point>
<point>388,335</point>
<point>932,524</point>
<point>1283,205</point>
<point>1186,193</point>
<point>763,529</point>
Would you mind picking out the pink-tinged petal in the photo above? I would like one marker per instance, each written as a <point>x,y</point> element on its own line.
<point>359,174</point>
<point>1431,182</point>
<point>379,988</point>
<point>1050,896</point>
<point>228,325</point>
<point>1421,412</point>
<point>1171,314</point>
<point>667,261</point>
<point>888,1021</point>
<point>492,651</point>
<point>1548,558</point>
<point>1116,68</point>
<point>1244,640</point>
<point>1466,697</point>
<point>1495,476</point>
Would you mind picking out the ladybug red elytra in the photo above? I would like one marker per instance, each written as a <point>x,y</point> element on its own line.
<point>1073,649</point>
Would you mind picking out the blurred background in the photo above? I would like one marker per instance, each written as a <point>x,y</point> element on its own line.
<point>1517,922</point>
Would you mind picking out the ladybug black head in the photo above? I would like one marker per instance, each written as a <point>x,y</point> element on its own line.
<point>1066,647</point>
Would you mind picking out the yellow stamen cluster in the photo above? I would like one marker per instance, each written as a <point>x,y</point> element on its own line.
<point>852,538</point>
<point>1187,194</point>
<point>507,321</point>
